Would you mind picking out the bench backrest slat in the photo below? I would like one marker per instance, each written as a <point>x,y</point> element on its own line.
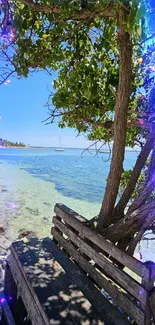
<point>126,282</point>
<point>83,244</point>
<point>128,261</point>
<point>121,298</point>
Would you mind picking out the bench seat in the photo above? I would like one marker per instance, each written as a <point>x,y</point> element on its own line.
<point>55,290</point>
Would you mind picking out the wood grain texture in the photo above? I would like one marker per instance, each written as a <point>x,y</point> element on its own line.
<point>128,261</point>
<point>92,246</point>
<point>106,310</point>
<point>122,300</point>
<point>25,291</point>
<point>75,307</point>
<point>55,290</point>
<point>125,281</point>
<point>152,303</point>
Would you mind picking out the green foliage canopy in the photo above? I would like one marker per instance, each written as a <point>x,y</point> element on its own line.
<point>79,40</point>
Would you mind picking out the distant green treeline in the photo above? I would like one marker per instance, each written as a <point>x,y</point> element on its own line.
<point>6,143</point>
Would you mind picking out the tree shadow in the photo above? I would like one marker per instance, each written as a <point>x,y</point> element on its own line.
<point>66,294</point>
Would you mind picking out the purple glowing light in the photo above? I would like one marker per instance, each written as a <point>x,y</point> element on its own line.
<point>8,35</point>
<point>3,299</point>
<point>152,68</point>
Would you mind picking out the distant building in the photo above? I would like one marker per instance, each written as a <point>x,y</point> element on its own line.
<point>1,142</point>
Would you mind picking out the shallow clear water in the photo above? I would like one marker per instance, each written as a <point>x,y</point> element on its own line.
<point>32,181</point>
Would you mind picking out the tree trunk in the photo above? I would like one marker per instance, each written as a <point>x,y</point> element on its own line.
<point>131,223</point>
<point>120,122</point>
<point>140,216</point>
<point>128,231</point>
<point>151,165</point>
<point>133,243</point>
<point>144,194</point>
<point>141,160</point>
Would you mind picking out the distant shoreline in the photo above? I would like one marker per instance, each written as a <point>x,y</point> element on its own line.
<point>13,147</point>
<point>53,148</point>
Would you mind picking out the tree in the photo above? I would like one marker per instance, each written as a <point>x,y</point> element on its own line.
<point>102,59</point>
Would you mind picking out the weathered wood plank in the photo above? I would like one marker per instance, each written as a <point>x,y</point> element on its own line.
<point>38,275</point>
<point>152,303</point>
<point>76,305</point>
<point>14,300</point>
<point>6,310</point>
<point>122,300</point>
<point>150,284</point>
<point>10,288</point>
<point>25,292</point>
<point>71,213</point>
<point>124,280</point>
<point>25,259</point>
<point>128,261</point>
<point>109,312</point>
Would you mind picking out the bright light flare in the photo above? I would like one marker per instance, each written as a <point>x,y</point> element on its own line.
<point>7,82</point>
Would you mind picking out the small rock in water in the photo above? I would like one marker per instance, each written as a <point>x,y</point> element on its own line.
<point>4,190</point>
<point>26,233</point>
<point>4,251</point>
<point>4,243</point>
<point>45,219</point>
<point>35,212</point>
<point>2,231</point>
<point>46,203</point>
<point>3,260</point>
<point>1,273</point>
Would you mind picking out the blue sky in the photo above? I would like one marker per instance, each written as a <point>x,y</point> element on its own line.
<point>22,110</point>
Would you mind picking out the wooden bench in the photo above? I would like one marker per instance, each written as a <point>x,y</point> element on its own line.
<point>61,281</point>
<point>53,289</point>
<point>129,288</point>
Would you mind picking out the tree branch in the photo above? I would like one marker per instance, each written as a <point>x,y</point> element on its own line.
<point>144,194</point>
<point>134,242</point>
<point>91,145</point>
<point>146,238</point>
<point>145,151</point>
<point>108,11</point>
<point>97,123</point>
<point>131,223</point>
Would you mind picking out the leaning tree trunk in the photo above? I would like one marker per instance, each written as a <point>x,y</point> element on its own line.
<point>151,166</point>
<point>140,215</point>
<point>140,163</point>
<point>120,122</point>
<point>133,221</point>
<point>128,231</point>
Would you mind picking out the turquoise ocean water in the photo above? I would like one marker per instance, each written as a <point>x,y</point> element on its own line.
<point>32,181</point>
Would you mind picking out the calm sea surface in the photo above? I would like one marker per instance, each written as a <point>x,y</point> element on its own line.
<point>32,181</point>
